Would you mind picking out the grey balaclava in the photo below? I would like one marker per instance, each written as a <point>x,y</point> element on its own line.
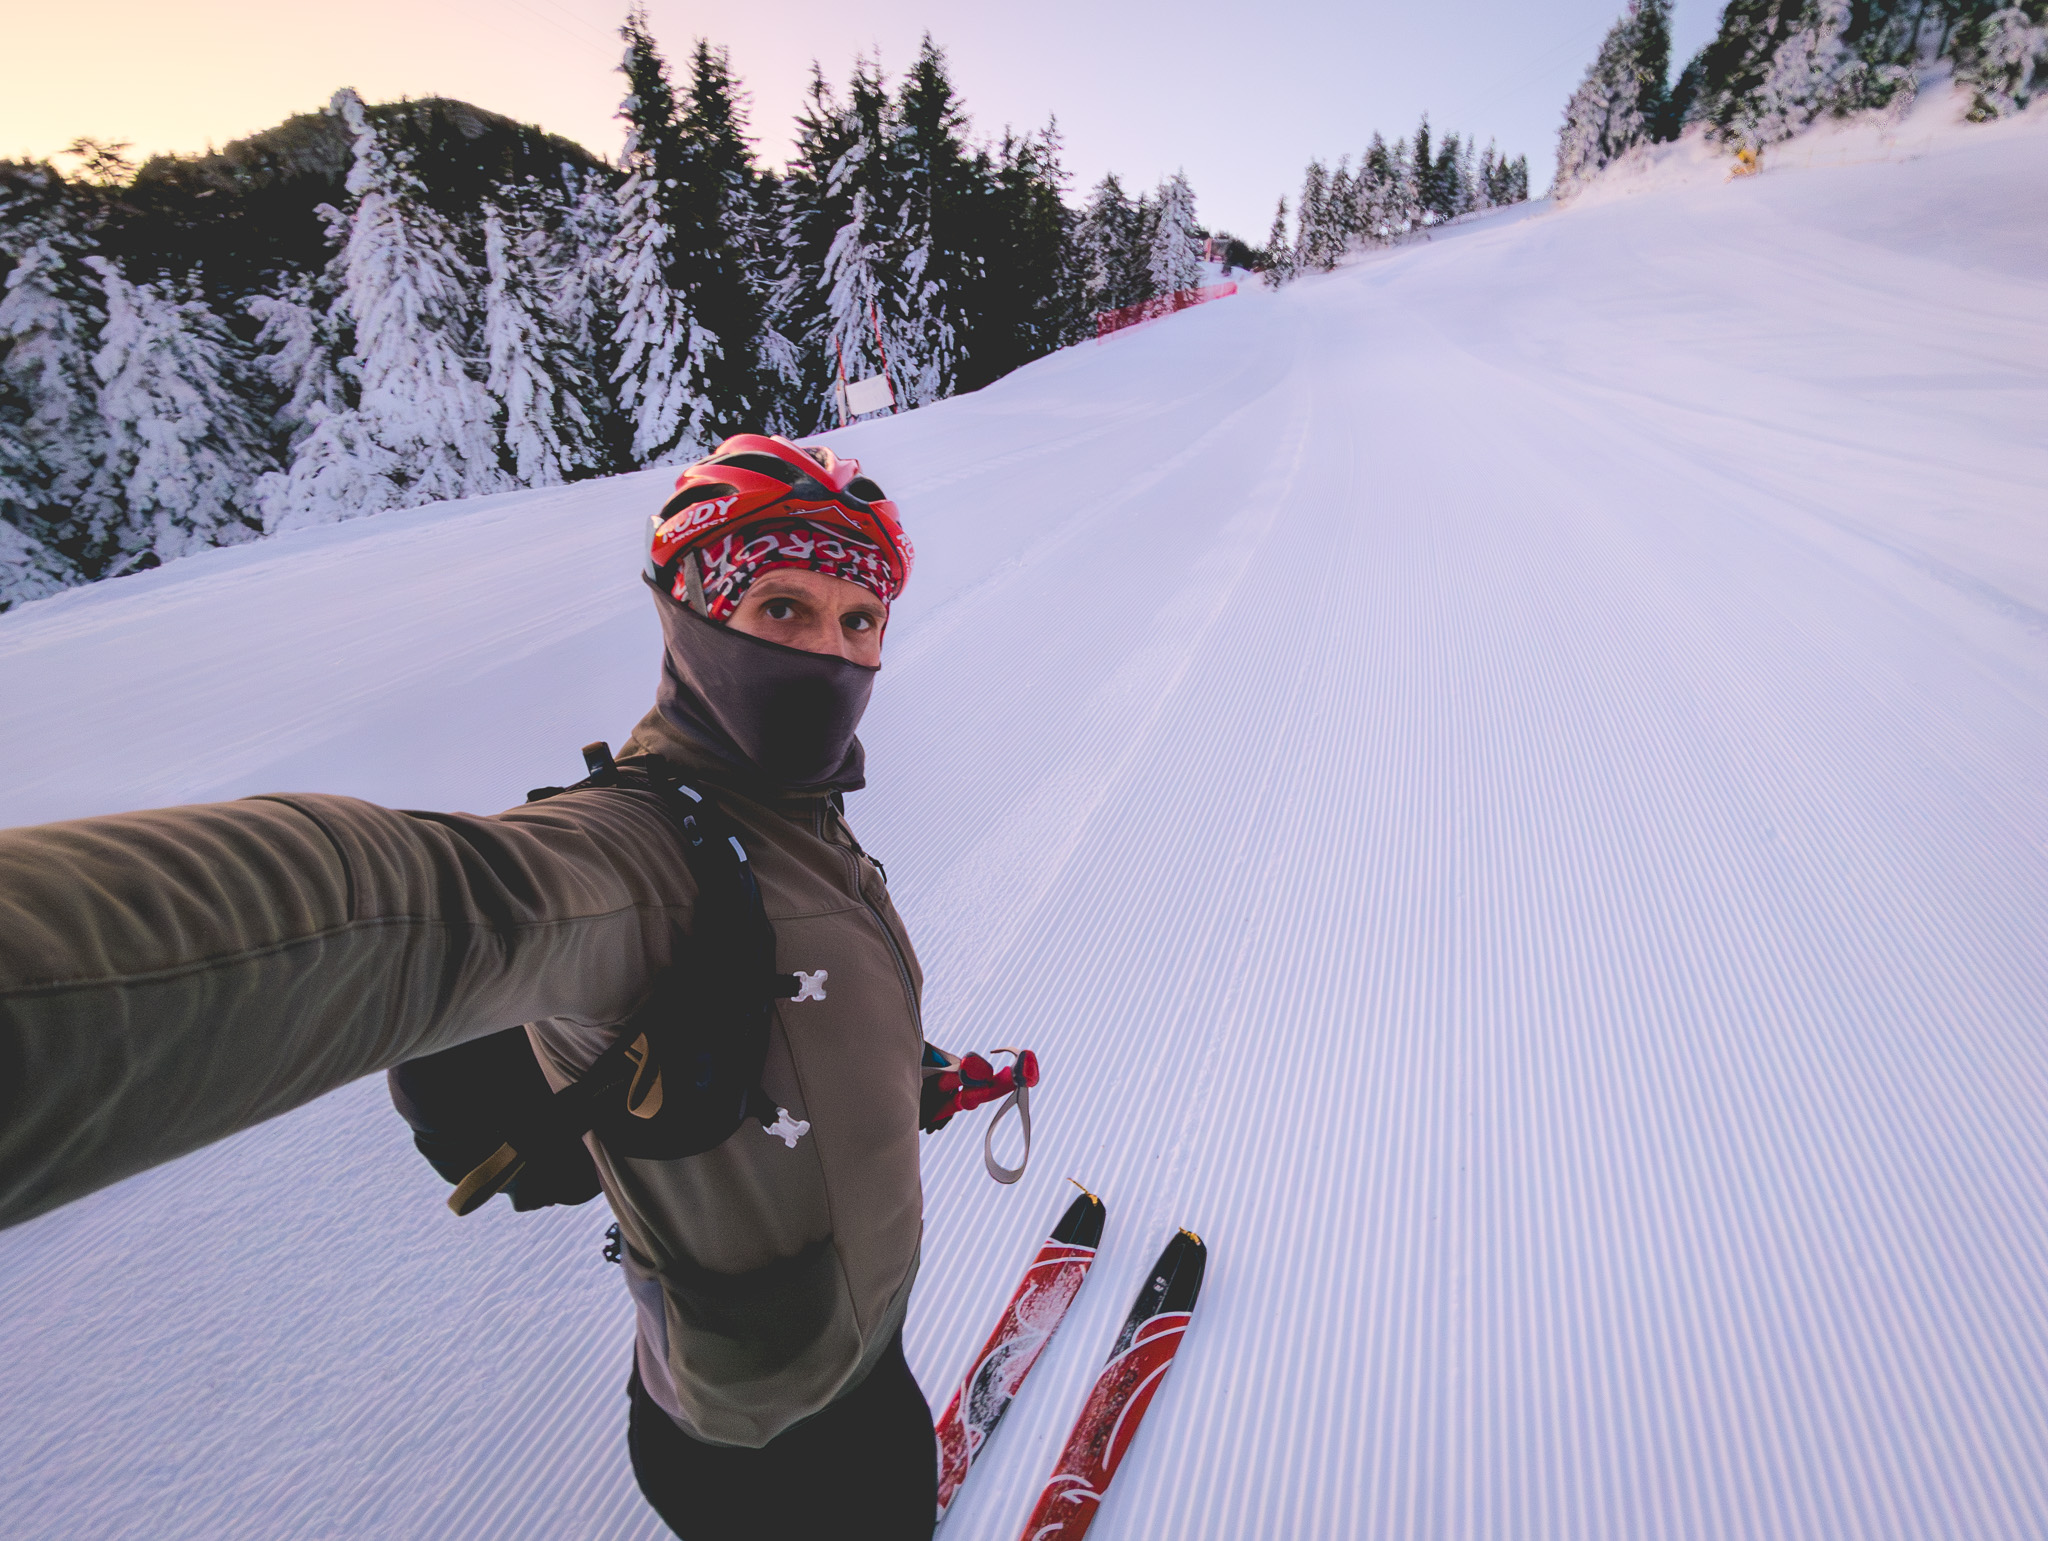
<point>770,713</point>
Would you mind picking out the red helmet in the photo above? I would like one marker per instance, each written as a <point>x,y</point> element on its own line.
<point>752,476</point>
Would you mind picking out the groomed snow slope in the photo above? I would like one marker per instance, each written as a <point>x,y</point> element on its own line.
<point>1508,785</point>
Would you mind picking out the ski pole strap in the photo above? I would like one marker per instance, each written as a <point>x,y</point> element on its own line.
<point>566,1115</point>
<point>490,1177</point>
<point>1021,1077</point>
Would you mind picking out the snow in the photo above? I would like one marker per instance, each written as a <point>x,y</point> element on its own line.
<point>1505,785</point>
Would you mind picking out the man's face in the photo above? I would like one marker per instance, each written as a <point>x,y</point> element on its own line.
<point>816,613</point>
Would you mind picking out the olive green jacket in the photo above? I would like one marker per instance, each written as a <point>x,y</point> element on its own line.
<point>170,977</point>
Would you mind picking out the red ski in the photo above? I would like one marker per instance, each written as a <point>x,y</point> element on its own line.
<point>1027,1325</point>
<point>1137,1365</point>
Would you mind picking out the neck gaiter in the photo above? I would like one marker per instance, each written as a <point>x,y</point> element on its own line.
<point>771,713</point>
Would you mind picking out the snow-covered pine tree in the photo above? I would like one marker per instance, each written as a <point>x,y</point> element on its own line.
<point>420,428</point>
<point>1176,259</point>
<point>1377,192</point>
<point>584,286</point>
<point>296,353</point>
<point>534,375</point>
<point>29,569</point>
<point>17,463</point>
<point>720,262</point>
<point>659,376</point>
<point>51,312</point>
<point>1068,318</point>
<point>1621,99</point>
<point>781,360</point>
<point>1280,266</point>
<point>862,277</point>
<point>303,335</point>
<point>1405,202</point>
<point>185,440</point>
<point>1500,186</point>
<point>1681,102</point>
<point>1144,236</point>
<point>808,217</point>
<point>1033,295</point>
<point>1800,82</point>
<point>1510,182</point>
<point>1733,64</point>
<point>1342,205</point>
<point>1447,182</point>
<point>1109,239</point>
<point>1485,177</point>
<point>1653,66</point>
<point>1422,189</point>
<point>938,191</point>
<point>663,353</point>
<point>305,346</point>
<point>1883,71</point>
<point>1775,65</point>
<point>1310,219</point>
<point>586,297</point>
<point>2003,59</point>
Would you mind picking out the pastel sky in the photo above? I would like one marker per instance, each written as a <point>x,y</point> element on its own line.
<point>1238,95</point>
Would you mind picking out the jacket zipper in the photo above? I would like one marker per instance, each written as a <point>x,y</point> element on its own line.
<point>902,968</point>
<point>881,924</point>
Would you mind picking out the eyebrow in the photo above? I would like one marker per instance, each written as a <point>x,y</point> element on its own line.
<point>767,588</point>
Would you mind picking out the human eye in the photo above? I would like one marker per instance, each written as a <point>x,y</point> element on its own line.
<point>857,620</point>
<point>779,608</point>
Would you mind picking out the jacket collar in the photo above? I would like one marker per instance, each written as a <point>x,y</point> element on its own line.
<point>654,734</point>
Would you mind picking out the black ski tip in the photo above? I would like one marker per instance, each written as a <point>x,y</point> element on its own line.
<point>1081,1225</point>
<point>1189,1259</point>
<point>1172,1285</point>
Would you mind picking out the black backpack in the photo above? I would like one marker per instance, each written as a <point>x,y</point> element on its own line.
<point>684,1071</point>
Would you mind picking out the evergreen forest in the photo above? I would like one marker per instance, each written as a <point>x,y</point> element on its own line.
<point>381,305</point>
<point>378,306</point>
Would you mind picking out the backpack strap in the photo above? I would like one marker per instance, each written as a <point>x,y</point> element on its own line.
<point>685,1069</point>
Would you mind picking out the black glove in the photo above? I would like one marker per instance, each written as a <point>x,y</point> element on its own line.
<point>939,1098</point>
<point>465,1102</point>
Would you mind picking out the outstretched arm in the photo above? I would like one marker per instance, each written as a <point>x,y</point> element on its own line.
<point>168,978</point>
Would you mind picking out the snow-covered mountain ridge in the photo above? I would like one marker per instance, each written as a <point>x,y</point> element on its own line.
<point>1504,783</point>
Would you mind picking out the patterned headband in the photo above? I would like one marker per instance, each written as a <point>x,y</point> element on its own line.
<point>731,562</point>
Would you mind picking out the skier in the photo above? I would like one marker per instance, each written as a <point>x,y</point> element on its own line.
<point>169,977</point>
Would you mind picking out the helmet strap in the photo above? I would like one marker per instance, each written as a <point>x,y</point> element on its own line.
<point>693,583</point>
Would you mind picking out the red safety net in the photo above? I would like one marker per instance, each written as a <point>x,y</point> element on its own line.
<point>1159,305</point>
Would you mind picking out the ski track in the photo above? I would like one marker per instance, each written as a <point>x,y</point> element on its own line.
<point>1508,787</point>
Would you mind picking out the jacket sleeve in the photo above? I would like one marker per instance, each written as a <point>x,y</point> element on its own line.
<point>171,977</point>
